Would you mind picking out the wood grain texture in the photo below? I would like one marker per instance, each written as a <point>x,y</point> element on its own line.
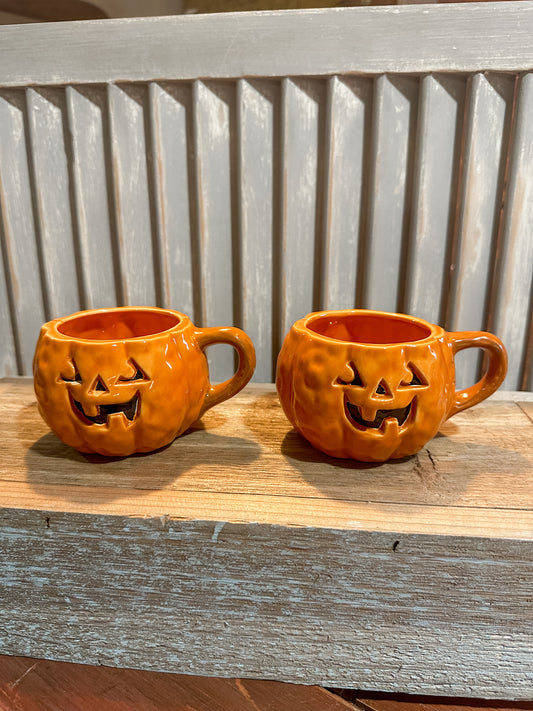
<point>399,702</point>
<point>39,685</point>
<point>133,191</point>
<point>243,462</point>
<point>346,164</point>
<point>214,108</point>
<point>388,39</point>
<point>57,236</point>
<point>436,165</point>
<point>395,112</point>
<point>257,126</point>
<point>482,184</point>
<point>238,551</point>
<point>24,296</point>
<point>92,204</point>
<point>515,248</point>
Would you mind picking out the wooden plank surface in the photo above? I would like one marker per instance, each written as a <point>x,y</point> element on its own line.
<point>401,702</point>
<point>243,462</point>
<point>40,685</point>
<point>238,551</point>
<point>451,38</point>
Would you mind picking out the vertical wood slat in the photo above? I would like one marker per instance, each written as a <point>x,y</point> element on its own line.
<point>512,318</point>
<point>8,353</point>
<point>350,105</point>
<point>436,167</point>
<point>214,120</point>
<point>86,113</point>
<point>300,145</point>
<point>132,192</point>
<point>526,376</point>
<point>395,110</point>
<point>50,164</point>
<point>487,134</point>
<point>258,104</point>
<point>22,311</point>
<point>170,106</point>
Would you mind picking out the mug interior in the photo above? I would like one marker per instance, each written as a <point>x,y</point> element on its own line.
<point>112,325</point>
<point>369,328</point>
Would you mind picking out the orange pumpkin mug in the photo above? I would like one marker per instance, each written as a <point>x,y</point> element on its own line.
<point>123,380</point>
<point>372,386</point>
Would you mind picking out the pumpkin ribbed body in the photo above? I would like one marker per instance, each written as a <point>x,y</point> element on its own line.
<point>123,393</point>
<point>365,401</point>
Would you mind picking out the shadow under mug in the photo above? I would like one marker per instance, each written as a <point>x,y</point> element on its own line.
<point>130,379</point>
<point>371,385</point>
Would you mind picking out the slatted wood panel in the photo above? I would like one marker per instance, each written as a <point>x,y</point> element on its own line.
<point>254,200</point>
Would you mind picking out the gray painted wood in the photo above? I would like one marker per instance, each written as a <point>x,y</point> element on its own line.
<point>512,318</point>
<point>51,163</point>
<point>473,37</point>
<point>350,108</point>
<point>333,182</point>
<point>301,103</point>
<point>170,107</point>
<point>8,353</point>
<point>481,196</point>
<point>258,114</point>
<point>132,193</point>
<point>259,601</point>
<point>394,123</point>
<point>436,170</point>
<point>214,115</point>
<point>87,115</point>
<point>21,288</point>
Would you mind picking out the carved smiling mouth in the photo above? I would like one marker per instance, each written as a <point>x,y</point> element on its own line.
<point>400,414</point>
<point>128,409</point>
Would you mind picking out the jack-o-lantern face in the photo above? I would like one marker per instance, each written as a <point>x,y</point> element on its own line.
<point>95,402</point>
<point>118,388</point>
<point>130,379</point>
<point>381,398</point>
<point>383,406</point>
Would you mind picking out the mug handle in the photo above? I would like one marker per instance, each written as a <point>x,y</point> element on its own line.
<point>494,372</point>
<point>246,352</point>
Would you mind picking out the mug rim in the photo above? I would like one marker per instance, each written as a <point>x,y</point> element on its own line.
<point>55,325</point>
<point>433,330</point>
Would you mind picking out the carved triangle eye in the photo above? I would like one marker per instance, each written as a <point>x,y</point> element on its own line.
<point>138,375</point>
<point>356,380</point>
<point>417,379</point>
<point>77,376</point>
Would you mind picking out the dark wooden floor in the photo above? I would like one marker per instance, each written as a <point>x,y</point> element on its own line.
<point>39,685</point>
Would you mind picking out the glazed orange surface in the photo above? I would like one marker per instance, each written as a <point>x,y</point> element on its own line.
<point>100,392</point>
<point>374,400</point>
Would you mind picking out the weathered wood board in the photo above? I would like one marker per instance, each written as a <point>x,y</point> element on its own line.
<point>239,551</point>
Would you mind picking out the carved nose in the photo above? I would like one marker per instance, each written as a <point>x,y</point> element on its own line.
<point>382,388</point>
<point>99,385</point>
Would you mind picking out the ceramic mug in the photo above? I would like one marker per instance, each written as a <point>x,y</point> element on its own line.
<point>123,380</point>
<point>372,386</point>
